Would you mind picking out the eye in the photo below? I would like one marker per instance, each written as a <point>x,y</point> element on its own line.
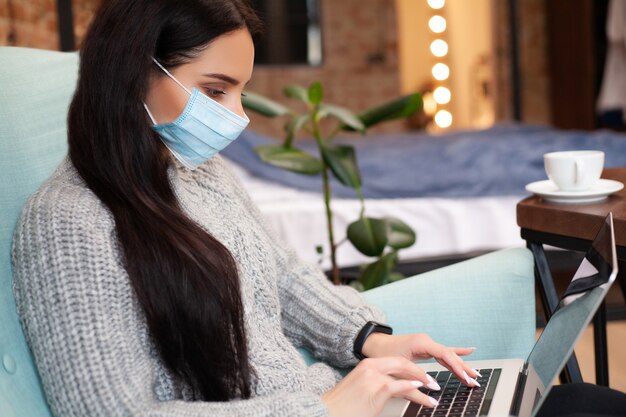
<point>214,92</point>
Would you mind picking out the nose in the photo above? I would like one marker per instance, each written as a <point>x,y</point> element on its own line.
<point>239,110</point>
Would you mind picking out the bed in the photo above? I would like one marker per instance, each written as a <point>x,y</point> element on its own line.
<point>458,191</point>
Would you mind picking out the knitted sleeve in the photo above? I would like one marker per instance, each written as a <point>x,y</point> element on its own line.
<point>85,330</point>
<point>317,315</point>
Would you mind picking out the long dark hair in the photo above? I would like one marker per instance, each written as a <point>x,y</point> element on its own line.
<point>185,280</point>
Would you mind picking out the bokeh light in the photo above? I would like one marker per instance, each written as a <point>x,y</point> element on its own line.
<point>440,72</point>
<point>437,24</point>
<point>429,104</point>
<point>442,95</point>
<point>436,4</point>
<point>443,119</point>
<point>439,48</point>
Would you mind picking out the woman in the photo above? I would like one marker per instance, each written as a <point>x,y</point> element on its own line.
<point>147,281</point>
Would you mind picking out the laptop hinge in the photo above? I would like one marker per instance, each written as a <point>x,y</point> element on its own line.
<point>519,390</point>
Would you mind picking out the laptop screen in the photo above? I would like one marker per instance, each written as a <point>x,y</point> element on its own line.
<point>577,307</point>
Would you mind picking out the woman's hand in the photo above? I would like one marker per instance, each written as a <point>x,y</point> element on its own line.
<point>374,381</point>
<point>416,347</point>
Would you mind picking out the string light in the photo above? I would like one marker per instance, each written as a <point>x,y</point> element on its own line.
<point>442,95</point>
<point>439,48</point>
<point>437,24</point>
<point>443,118</point>
<point>436,4</point>
<point>440,72</point>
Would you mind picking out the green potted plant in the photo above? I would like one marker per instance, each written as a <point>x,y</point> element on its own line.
<point>380,238</point>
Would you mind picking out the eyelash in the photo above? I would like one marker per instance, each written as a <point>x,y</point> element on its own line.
<point>216,92</point>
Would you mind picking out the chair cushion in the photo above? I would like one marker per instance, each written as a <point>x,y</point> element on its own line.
<point>36,87</point>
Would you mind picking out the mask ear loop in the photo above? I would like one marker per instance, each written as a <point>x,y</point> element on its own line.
<point>149,114</point>
<point>171,76</point>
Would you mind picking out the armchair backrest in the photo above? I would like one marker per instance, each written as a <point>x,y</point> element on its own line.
<point>36,88</point>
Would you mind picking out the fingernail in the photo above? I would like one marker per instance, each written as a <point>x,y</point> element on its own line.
<point>477,373</point>
<point>434,402</point>
<point>466,376</point>
<point>417,384</point>
<point>432,384</point>
<point>470,381</point>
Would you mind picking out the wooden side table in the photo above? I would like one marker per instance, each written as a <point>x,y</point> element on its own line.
<point>573,227</point>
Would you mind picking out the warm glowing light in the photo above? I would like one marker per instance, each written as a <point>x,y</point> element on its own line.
<point>429,104</point>
<point>436,4</point>
<point>437,24</point>
<point>443,119</point>
<point>439,48</point>
<point>442,95</point>
<point>440,72</point>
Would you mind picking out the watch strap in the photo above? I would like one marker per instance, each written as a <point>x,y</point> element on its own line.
<point>369,328</point>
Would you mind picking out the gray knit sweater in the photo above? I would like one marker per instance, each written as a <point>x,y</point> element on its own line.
<point>87,332</point>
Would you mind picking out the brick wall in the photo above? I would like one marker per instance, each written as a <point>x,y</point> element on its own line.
<point>360,44</point>
<point>83,11</point>
<point>349,76</point>
<point>350,45</point>
<point>34,24</point>
<point>31,23</point>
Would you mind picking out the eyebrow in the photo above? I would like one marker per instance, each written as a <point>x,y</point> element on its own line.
<point>223,77</point>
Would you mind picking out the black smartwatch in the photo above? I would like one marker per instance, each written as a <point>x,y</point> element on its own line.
<point>369,328</point>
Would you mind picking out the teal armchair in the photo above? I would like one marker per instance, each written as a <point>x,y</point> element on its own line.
<point>487,302</point>
<point>35,91</point>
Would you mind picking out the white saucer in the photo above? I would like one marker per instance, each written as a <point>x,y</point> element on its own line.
<point>549,192</point>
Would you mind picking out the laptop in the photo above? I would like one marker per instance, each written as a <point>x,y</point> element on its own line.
<point>515,386</point>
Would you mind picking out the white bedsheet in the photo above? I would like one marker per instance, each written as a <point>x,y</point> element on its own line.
<point>444,226</point>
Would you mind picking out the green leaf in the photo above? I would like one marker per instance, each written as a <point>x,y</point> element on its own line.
<point>368,235</point>
<point>398,108</point>
<point>396,276</point>
<point>342,162</point>
<point>379,272</point>
<point>399,234</point>
<point>315,93</point>
<point>294,125</point>
<point>291,159</point>
<point>345,116</point>
<point>263,105</point>
<point>297,92</point>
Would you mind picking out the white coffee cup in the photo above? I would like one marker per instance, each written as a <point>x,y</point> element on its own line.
<point>574,170</point>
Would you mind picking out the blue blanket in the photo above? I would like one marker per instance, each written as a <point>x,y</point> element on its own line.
<point>497,161</point>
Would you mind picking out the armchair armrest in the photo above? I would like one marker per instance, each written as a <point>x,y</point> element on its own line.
<point>487,302</point>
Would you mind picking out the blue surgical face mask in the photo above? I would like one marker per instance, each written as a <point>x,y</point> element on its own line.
<point>203,129</point>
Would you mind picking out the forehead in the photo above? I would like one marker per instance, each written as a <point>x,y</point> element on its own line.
<point>231,54</point>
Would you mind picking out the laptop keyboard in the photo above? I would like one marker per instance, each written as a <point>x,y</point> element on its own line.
<point>456,399</point>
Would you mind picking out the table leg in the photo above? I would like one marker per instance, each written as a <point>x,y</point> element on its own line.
<point>600,346</point>
<point>550,301</point>
<point>549,298</point>
<point>621,277</point>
